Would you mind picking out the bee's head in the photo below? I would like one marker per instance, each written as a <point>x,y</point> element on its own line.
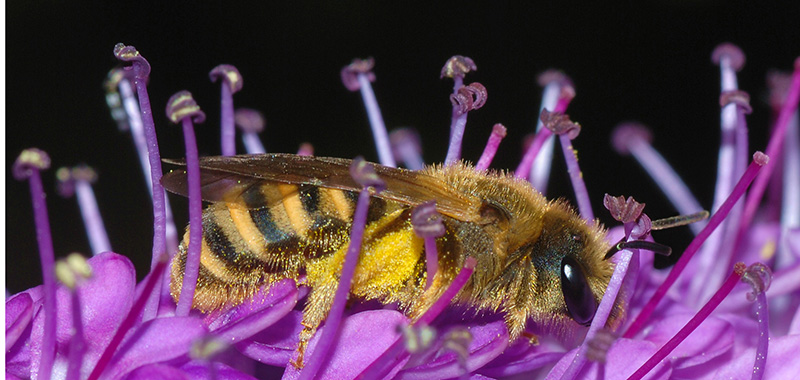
<point>570,275</point>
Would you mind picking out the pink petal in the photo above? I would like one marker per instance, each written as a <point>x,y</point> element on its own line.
<point>157,371</point>
<point>149,344</point>
<point>257,313</point>
<point>106,298</point>
<point>623,358</point>
<point>199,370</point>
<point>782,361</point>
<point>19,312</point>
<point>712,338</point>
<point>362,339</point>
<point>276,344</point>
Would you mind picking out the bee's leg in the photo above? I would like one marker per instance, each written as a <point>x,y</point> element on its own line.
<point>317,307</point>
<point>516,320</point>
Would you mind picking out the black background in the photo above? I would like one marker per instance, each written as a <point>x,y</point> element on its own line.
<point>646,61</point>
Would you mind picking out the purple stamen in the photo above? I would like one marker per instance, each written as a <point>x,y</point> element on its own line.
<point>729,167</point>
<point>759,276</point>
<point>567,130</point>
<point>465,99</point>
<point>114,100</point>
<point>428,224</point>
<point>182,108</point>
<point>28,165</point>
<point>79,181</point>
<point>150,283</point>
<point>393,355</point>
<point>790,203</point>
<point>498,133</point>
<point>357,76</point>
<point>635,139</point>
<point>524,169</point>
<point>716,299</point>
<point>407,147</point>
<point>305,149</point>
<point>66,271</point>
<point>759,160</point>
<point>251,122</point>
<point>141,70</point>
<point>231,83</point>
<point>773,148</point>
<point>364,174</point>
<point>557,94</point>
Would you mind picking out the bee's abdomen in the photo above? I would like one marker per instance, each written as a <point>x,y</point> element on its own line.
<point>270,233</point>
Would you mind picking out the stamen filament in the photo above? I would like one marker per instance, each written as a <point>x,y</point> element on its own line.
<point>77,346</point>
<point>713,223</point>
<point>773,148</point>
<point>576,177</point>
<point>343,289</point>
<point>141,70</point>
<point>27,166</point>
<point>498,133</point>
<point>693,323</point>
<point>95,230</point>
<point>406,148</point>
<point>634,139</point>
<point>195,221</point>
<point>535,166</point>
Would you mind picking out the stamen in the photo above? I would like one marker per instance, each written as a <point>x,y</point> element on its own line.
<point>206,349</point>
<point>407,147</point>
<point>306,149</point>
<point>231,83</point>
<point>150,284</point>
<point>251,122</point>
<point>66,271</point>
<point>141,71</point>
<point>730,165</point>
<point>465,99</point>
<point>599,345</point>
<point>498,133</point>
<point>759,276</point>
<point>759,159</point>
<point>457,68</point>
<point>181,108</point>
<point>417,338</point>
<point>623,210</point>
<point>773,149</point>
<point>457,341</point>
<point>357,76</point>
<point>114,100</point>
<point>394,355</point>
<point>557,94</point>
<point>428,224</point>
<point>131,105</point>
<point>79,180</point>
<point>716,299</point>
<point>364,174</point>
<point>636,139</point>
<point>567,130</point>
<point>27,166</point>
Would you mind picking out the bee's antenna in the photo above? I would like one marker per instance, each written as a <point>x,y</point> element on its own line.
<point>652,246</point>
<point>680,220</point>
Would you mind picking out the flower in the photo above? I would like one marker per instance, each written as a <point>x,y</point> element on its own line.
<point>107,326</point>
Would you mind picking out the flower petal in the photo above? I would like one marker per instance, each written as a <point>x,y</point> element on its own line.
<point>19,312</point>
<point>349,355</point>
<point>257,313</point>
<point>147,344</point>
<point>782,360</point>
<point>712,338</point>
<point>157,371</point>
<point>200,370</point>
<point>488,341</point>
<point>623,358</point>
<point>106,298</point>
<point>522,357</point>
<point>276,344</point>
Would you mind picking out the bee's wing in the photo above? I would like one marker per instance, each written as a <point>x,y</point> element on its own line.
<point>225,178</point>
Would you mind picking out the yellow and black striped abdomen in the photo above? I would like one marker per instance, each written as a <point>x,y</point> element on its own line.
<point>276,230</point>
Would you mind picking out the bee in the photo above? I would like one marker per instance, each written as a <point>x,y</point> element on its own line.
<point>279,216</point>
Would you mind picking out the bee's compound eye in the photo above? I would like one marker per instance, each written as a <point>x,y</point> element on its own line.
<point>577,294</point>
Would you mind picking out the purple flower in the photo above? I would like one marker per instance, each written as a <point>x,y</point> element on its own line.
<point>697,321</point>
